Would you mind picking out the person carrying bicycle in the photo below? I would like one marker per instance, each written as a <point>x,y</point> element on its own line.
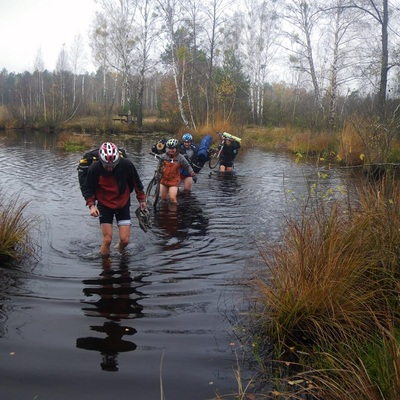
<point>228,154</point>
<point>173,162</point>
<point>188,149</point>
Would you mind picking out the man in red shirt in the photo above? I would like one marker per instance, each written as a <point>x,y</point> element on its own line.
<point>107,188</point>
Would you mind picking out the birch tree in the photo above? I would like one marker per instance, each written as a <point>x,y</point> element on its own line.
<point>259,45</point>
<point>302,18</point>
<point>170,11</point>
<point>148,38</point>
<point>100,43</point>
<point>216,13</point>
<point>378,10</point>
<point>77,58</point>
<point>117,32</point>
<point>62,66</point>
<point>344,45</point>
<point>41,94</point>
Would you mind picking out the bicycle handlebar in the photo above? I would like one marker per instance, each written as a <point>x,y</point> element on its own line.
<point>157,156</point>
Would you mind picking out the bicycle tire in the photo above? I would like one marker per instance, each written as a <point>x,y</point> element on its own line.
<point>153,193</point>
<point>213,161</point>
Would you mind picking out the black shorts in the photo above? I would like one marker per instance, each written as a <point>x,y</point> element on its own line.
<point>122,215</point>
<point>227,164</point>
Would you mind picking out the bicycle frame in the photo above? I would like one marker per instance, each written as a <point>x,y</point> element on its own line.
<point>216,152</point>
<point>153,188</point>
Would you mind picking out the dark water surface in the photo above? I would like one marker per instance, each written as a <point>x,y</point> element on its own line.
<point>74,328</point>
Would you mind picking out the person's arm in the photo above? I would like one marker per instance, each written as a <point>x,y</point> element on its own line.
<point>186,165</point>
<point>88,190</point>
<point>138,187</point>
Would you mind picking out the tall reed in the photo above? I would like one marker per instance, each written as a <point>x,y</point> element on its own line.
<point>328,296</point>
<point>16,242</point>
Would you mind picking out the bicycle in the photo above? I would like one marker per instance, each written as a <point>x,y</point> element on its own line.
<point>215,153</point>
<point>153,188</point>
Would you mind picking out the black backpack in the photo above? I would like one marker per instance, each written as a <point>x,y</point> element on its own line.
<point>88,159</point>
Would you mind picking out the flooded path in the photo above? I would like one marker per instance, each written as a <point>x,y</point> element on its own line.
<point>74,328</point>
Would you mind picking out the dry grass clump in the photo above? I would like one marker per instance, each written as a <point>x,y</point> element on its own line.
<point>16,242</point>
<point>323,145</point>
<point>328,298</point>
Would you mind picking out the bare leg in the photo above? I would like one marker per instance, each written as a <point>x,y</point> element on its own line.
<point>163,192</point>
<point>173,192</point>
<point>106,230</point>
<point>124,236</point>
<point>187,183</point>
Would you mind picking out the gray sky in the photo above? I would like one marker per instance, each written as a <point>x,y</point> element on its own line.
<point>29,25</point>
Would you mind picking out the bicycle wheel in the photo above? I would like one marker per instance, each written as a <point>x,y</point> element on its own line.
<point>214,159</point>
<point>153,193</point>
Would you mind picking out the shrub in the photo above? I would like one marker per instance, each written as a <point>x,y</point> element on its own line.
<point>16,242</point>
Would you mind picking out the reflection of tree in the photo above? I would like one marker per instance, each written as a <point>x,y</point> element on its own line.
<point>118,295</point>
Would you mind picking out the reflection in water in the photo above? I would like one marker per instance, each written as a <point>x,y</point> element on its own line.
<point>180,221</point>
<point>118,300</point>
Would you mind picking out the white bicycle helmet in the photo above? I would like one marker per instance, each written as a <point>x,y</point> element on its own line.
<point>172,143</point>
<point>109,154</point>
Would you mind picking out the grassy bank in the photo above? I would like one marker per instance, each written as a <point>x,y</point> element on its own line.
<point>361,141</point>
<point>16,243</point>
<point>328,300</point>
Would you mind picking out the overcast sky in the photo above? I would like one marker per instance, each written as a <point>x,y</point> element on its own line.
<point>29,25</point>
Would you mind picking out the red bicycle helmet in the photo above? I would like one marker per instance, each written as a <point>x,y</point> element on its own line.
<point>109,154</point>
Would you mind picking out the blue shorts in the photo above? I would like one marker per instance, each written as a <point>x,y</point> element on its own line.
<point>184,173</point>
<point>122,215</point>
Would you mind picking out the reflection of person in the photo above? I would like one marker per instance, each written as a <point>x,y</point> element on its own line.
<point>111,345</point>
<point>189,151</point>
<point>107,188</point>
<point>118,300</point>
<point>171,177</point>
<point>228,154</point>
<point>180,221</point>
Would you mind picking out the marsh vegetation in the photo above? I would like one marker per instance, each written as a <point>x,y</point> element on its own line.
<point>325,321</point>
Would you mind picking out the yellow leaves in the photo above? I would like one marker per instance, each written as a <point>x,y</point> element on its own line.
<point>362,156</point>
<point>226,89</point>
<point>322,175</point>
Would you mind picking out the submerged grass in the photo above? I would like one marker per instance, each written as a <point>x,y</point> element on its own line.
<point>328,298</point>
<point>16,242</point>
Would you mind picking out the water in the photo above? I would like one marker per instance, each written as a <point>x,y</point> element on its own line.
<point>156,320</point>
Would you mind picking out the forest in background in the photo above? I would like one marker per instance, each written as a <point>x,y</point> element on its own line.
<point>307,64</point>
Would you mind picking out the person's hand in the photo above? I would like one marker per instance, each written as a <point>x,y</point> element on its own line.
<point>94,211</point>
<point>142,205</point>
